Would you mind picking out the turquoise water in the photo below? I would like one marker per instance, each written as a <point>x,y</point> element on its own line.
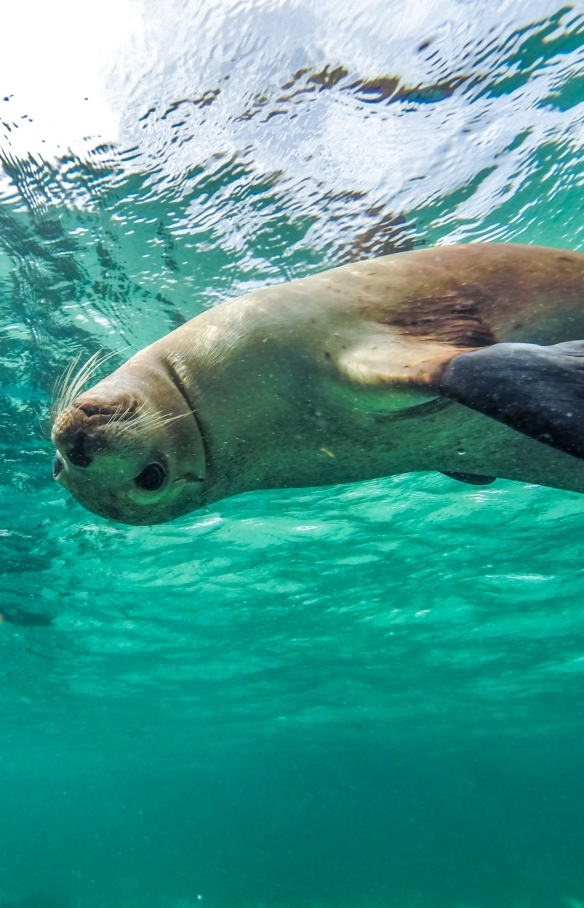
<point>368,696</point>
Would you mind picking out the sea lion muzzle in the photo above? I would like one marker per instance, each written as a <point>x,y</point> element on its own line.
<point>77,434</point>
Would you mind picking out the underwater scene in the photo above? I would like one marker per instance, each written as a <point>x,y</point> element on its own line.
<point>352,696</point>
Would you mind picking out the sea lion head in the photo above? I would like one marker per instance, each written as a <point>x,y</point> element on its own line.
<point>130,448</point>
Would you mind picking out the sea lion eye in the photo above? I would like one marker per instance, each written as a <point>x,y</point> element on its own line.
<point>151,478</point>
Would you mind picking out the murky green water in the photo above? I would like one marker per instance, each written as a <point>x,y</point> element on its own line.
<point>359,697</point>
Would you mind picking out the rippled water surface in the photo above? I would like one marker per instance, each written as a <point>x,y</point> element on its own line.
<point>368,696</point>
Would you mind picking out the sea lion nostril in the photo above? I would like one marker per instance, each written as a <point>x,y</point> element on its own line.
<point>57,466</point>
<point>78,454</point>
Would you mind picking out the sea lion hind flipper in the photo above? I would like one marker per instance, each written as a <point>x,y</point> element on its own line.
<point>473,479</point>
<point>536,390</point>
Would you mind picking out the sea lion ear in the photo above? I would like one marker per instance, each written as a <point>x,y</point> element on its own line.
<point>537,390</point>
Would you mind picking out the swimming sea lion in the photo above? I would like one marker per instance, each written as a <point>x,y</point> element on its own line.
<point>380,367</point>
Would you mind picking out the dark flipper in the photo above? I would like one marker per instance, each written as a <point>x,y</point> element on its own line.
<point>537,390</point>
<point>473,479</point>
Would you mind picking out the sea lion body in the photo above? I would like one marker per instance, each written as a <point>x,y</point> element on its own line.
<point>333,378</point>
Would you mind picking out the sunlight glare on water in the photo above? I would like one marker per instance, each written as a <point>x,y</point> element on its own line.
<point>366,696</point>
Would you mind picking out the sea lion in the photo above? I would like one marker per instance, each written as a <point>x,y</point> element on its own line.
<point>423,360</point>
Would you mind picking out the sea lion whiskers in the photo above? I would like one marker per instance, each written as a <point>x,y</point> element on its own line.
<point>121,416</point>
<point>71,382</point>
<point>57,403</point>
<point>84,375</point>
<point>146,421</point>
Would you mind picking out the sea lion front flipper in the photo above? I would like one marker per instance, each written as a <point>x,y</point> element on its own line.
<point>537,390</point>
<point>396,359</point>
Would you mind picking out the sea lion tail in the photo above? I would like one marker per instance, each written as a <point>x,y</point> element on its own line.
<point>537,390</point>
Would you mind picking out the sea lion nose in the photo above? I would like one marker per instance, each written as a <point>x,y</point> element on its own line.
<point>78,454</point>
